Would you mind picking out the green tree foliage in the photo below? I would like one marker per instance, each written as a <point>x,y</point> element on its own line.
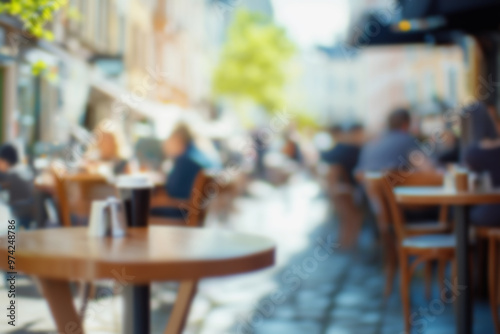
<point>253,61</point>
<point>34,14</point>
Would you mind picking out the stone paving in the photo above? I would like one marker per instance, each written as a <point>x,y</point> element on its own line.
<point>314,287</point>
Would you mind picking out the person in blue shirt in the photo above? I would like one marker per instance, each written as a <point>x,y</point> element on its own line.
<point>188,161</point>
<point>391,150</point>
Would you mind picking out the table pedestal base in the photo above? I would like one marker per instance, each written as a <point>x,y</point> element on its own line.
<point>464,307</point>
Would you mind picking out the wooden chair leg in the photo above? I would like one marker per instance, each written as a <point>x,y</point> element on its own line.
<point>389,279</point>
<point>405,289</point>
<point>493,284</point>
<point>58,296</point>
<point>441,273</point>
<point>454,281</point>
<point>86,290</point>
<point>185,295</point>
<point>498,281</point>
<point>428,279</point>
<point>391,263</point>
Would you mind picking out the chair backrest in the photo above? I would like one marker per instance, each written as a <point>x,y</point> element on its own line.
<point>201,194</point>
<point>398,179</point>
<point>392,179</point>
<point>394,210</point>
<point>75,193</point>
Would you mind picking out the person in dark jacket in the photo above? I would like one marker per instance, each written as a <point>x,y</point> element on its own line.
<point>188,161</point>
<point>19,189</point>
<point>342,159</point>
<point>483,156</point>
<point>346,150</point>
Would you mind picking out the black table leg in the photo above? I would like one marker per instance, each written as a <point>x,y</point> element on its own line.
<point>136,315</point>
<point>136,297</point>
<point>464,306</point>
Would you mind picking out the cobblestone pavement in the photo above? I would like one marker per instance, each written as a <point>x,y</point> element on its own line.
<point>314,287</point>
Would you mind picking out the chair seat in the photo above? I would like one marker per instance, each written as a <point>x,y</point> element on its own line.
<point>168,212</point>
<point>430,241</point>
<point>425,226</point>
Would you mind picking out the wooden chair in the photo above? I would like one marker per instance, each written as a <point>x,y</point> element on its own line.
<point>374,189</point>
<point>195,207</point>
<point>492,235</point>
<point>373,183</point>
<point>74,194</point>
<point>423,247</point>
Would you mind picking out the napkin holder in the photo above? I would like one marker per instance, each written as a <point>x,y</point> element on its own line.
<point>107,218</point>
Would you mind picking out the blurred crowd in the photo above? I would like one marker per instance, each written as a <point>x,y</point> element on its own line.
<point>335,156</point>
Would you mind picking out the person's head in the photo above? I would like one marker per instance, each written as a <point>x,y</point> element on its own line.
<point>336,132</point>
<point>399,120</point>
<point>108,146</point>
<point>481,125</point>
<point>110,141</point>
<point>178,142</point>
<point>8,157</point>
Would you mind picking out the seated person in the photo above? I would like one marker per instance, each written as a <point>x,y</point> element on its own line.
<point>449,150</point>
<point>346,150</point>
<point>342,159</point>
<point>484,156</point>
<point>188,161</point>
<point>19,188</point>
<point>107,156</point>
<point>392,152</point>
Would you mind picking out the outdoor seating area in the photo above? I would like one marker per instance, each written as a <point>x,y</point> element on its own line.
<point>250,167</point>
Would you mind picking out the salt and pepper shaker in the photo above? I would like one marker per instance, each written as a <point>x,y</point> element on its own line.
<point>486,183</point>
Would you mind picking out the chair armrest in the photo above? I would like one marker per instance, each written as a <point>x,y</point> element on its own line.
<point>160,198</point>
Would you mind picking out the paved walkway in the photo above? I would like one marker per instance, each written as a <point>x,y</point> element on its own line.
<point>314,288</point>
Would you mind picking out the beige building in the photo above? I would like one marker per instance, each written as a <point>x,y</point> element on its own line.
<point>183,50</point>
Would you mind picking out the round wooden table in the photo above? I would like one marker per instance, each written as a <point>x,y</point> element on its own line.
<point>146,254</point>
<point>461,201</point>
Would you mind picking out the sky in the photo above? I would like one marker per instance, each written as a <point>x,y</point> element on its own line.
<point>312,22</point>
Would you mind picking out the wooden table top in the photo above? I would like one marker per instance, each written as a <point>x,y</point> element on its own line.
<point>442,196</point>
<point>155,253</point>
